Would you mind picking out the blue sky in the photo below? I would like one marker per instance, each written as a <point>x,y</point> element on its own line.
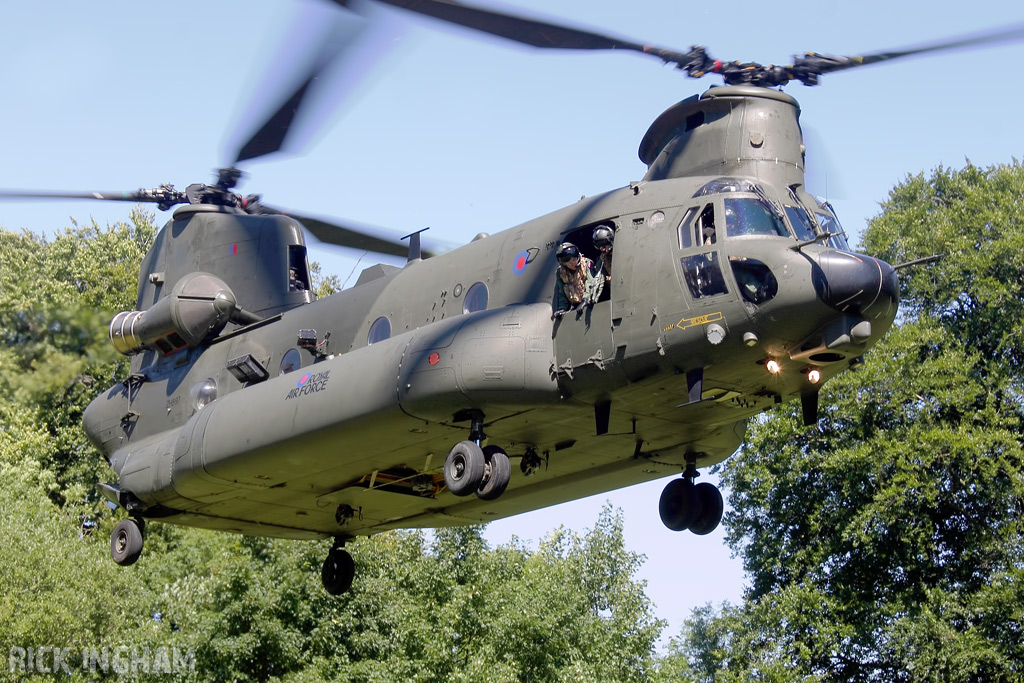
<point>431,126</point>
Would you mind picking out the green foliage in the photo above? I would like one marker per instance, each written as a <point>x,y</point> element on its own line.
<point>323,285</point>
<point>57,297</point>
<point>450,609</point>
<point>886,544</point>
<point>972,217</point>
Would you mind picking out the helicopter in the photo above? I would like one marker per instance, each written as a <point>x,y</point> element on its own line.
<point>402,402</point>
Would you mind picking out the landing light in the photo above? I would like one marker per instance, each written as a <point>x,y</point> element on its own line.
<point>773,367</point>
<point>813,376</point>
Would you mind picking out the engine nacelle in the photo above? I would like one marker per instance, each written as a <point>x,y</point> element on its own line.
<point>198,307</point>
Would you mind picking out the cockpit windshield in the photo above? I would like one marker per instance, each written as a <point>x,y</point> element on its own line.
<point>749,216</point>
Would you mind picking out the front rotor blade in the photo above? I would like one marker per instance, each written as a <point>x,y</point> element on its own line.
<point>271,136</point>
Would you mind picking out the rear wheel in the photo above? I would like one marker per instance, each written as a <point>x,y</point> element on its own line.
<point>711,506</point>
<point>338,571</point>
<point>126,542</point>
<point>678,505</point>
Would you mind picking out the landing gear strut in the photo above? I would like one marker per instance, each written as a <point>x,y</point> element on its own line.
<point>126,541</point>
<point>338,570</point>
<point>685,505</point>
<point>472,469</point>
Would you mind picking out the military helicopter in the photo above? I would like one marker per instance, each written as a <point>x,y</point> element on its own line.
<point>252,407</point>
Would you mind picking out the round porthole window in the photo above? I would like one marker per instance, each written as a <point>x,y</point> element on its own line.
<point>379,330</point>
<point>292,361</point>
<point>476,298</point>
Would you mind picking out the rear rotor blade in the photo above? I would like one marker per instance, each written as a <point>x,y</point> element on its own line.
<point>363,238</point>
<point>1007,35</point>
<point>113,196</point>
<point>527,31</point>
<point>166,196</point>
<point>696,62</point>
<point>520,29</point>
<point>808,68</point>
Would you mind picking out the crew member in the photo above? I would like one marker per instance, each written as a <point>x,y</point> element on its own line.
<point>604,238</point>
<point>575,284</point>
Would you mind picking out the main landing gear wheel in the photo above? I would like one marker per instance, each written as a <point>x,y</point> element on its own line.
<point>464,468</point>
<point>338,571</point>
<point>685,505</point>
<point>499,471</point>
<point>472,469</point>
<point>126,542</point>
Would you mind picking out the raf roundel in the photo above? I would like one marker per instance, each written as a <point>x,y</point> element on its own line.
<point>523,259</point>
<point>303,379</point>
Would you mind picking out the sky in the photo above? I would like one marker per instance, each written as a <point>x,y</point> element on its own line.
<point>429,126</point>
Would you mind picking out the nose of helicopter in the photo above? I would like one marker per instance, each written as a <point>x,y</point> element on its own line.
<point>857,283</point>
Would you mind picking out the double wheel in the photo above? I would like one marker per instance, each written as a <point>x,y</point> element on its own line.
<point>472,469</point>
<point>685,505</point>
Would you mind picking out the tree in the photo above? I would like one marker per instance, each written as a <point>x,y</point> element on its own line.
<point>446,609</point>
<point>886,544</point>
<point>57,297</point>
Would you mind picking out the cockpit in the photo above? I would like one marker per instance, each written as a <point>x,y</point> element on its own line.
<point>738,209</point>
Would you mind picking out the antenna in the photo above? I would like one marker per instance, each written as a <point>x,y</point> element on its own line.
<point>414,245</point>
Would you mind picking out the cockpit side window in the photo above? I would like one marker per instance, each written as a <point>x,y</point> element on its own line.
<point>748,216</point>
<point>705,226</point>
<point>686,230</point>
<point>830,224</point>
<point>801,222</point>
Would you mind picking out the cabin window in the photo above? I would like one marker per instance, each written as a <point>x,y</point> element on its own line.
<point>703,275</point>
<point>291,361</point>
<point>298,270</point>
<point>744,217</point>
<point>379,330</point>
<point>476,298</point>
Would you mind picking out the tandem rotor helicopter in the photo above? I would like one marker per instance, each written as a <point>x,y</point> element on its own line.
<point>451,391</point>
